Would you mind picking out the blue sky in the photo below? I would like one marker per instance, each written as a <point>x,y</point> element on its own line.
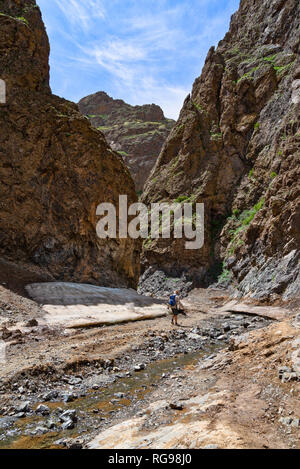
<point>142,51</point>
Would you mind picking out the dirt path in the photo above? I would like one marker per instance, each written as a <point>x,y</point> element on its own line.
<point>234,399</point>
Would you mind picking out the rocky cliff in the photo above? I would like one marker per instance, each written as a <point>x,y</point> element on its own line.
<point>236,147</point>
<point>54,167</point>
<point>136,132</point>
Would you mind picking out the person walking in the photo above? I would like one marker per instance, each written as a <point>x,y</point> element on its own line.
<point>176,307</point>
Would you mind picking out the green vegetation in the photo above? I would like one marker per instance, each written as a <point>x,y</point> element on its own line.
<point>199,107</point>
<point>235,243</point>
<point>19,18</point>
<point>273,175</point>
<point>182,198</point>
<point>225,276</point>
<point>283,68</point>
<point>247,75</point>
<point>251,173</point>
<point>103,128</point>
<point>278,69</point>
<point>256,125</point>
<point>242,221</point>
<point>216,136</point>
<point>234,51</point>
<point>145,134</point>
<point>147,242</point>
<point>270,59</point>
<point>280,153</point>
<point>123,153</point>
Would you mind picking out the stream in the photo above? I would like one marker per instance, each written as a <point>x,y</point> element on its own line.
<point>123,398</point>
<point>103,397</point>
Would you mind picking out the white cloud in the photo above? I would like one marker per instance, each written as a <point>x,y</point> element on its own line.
<point>138,50</point>
<point>82,13</point>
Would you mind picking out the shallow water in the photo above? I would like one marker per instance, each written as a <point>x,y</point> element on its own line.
<point>135,388</point>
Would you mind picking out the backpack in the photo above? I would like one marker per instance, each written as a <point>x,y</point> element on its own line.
<point>172,301</point>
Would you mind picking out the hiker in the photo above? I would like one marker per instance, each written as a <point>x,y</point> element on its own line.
<point>176,306</point>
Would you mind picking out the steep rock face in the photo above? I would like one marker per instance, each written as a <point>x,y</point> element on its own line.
<point>136,132</point>
<point>236,147</point>
<point>54,167</point>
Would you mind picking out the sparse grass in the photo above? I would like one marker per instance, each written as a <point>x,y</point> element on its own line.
<point>19,18</point>
<point>270,59</point>
<point>103,128</point>
<point>273,175</point>
<point>242,221</point>
<point>283,68</point>
<point>182,198</point>
<point>256,125</point>
<point>123,153</point>
<point>247,75</point>
<point>216,135</point>
<point>250,175</point>
<point>199,107</point>
<point>225,276</point>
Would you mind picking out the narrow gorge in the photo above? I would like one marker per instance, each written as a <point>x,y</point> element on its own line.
<point>89,357</point>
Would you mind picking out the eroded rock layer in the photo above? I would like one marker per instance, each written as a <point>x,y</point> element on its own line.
<point>54,167</point>
<point>236,147</point>
<point>136,132</point>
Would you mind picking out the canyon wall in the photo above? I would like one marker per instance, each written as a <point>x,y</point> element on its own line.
<point>137,133</point>
<point>54,168</point>
<point>236,147</point>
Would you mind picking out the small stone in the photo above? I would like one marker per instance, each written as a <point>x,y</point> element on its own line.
<point>221,337</point>
<point>32,323</point>
<point>193,336</point>
<point>50,396</point>
<point>68,415</point>
<point>226,327</point>
<point>51,424</point>
<point>75,445</point>
<point>42,409</point>
<point>41,430</point>
<point>176,406</point>
<point>282,370</point>
<point>69,397</point>
<point>24,407</point>
<point>75,381</point>
<point>140,367</point>
<point>68,425</point>
<point>286,420</point>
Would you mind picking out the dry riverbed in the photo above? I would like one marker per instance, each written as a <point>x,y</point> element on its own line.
<point>217,380</point>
